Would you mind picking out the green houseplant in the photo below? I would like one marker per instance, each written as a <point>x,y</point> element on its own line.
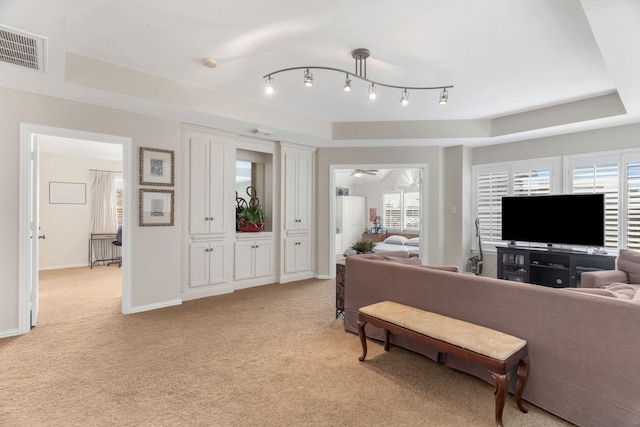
<point>249,216</point>
<point>363,246</point>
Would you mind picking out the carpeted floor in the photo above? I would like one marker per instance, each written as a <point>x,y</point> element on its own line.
<point>266,356</point>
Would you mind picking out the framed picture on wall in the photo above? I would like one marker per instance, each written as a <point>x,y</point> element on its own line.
<point>156,207</point>
<point>157,166</point>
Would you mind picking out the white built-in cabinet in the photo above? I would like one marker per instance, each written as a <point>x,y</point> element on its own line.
<point>298,169</point>
<point>297,208</point>
<point>216,258</point>
<point>297,254</point>
<point>207,263</point>
<point>209,163</point>
<point>253,258</point>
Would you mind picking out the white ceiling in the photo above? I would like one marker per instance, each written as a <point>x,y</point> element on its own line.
<point>503,57</point>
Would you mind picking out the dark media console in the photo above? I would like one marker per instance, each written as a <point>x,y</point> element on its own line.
<point>549,267</point>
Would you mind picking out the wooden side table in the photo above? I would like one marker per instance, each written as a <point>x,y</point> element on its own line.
<point>340,270</point>
<point>374,237</point>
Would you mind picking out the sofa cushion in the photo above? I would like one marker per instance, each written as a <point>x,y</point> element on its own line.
<point>410,261</point>
<point>452,268</point>
<point>629,262</point>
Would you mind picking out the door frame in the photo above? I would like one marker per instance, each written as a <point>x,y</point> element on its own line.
<point>27,132</point>
<point>424,169</point>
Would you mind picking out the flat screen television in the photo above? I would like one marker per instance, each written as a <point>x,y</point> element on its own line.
<point>568,219</point>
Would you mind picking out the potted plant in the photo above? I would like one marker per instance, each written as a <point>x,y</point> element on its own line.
<point>363,246</point>
<point>250,219</point>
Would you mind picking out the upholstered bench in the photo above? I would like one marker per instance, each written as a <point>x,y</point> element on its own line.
<point>498,352</point>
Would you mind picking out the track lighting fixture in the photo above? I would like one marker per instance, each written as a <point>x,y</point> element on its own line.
<point>270,86</point>
<point>444,96</point>
<point>308,78</point>
<point>347,84</point>
<point>404,98</point>
<point>372,92</point>
<point>360,56</point>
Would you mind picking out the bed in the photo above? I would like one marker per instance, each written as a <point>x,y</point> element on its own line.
<point>399,243</point>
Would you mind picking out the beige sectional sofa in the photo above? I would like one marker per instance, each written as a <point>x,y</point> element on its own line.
<point>584,348</point>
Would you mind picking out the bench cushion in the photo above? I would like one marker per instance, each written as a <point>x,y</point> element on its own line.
<point>479,339</point>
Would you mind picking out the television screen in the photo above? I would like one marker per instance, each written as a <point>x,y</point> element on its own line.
<point>570,219</point>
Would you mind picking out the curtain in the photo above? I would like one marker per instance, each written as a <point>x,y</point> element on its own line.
<point>103,213</point>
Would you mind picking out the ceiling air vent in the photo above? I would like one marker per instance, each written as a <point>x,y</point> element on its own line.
<point>20,48</point>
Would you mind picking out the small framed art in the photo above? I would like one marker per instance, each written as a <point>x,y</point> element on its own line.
<point>157,166</point>
<point>156,207</point>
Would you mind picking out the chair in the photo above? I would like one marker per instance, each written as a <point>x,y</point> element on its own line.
<point>118,242</point>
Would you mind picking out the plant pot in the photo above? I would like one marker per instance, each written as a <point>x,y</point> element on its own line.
<point>247,227</point>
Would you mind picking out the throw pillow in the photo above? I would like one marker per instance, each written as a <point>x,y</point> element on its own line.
<point>629,262</point>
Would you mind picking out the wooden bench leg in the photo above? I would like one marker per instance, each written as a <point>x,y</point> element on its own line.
<point>363,340</point>
<point>386,340</point>
<point>523,373</point>
<point>501,394</point>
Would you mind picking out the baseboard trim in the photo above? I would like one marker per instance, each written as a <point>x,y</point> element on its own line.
<point>62,267</point>
<point>149,307</point>
<point>324,276</point>
<point>9,333</point>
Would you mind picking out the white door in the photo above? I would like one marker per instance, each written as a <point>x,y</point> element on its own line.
<point>34,231</point>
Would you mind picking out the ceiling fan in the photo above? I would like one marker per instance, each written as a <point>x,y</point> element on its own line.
<point>361,172</point>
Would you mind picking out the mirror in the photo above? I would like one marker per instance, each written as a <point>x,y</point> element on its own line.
<point>255,169</point>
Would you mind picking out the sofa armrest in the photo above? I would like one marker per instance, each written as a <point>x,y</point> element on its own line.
<point>596,279</point>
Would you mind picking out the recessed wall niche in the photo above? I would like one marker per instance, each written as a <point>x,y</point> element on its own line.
<point>255,169</point>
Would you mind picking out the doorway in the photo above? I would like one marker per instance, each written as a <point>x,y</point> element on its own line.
<point>372,181</point>
<point>31,137</point>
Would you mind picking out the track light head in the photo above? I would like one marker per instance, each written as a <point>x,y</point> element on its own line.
<point>444,96</point>
<point>270,85</point>
<point>308,78</point>
<point>404,98</point>
<point>372,92</point>
<point>347,84</point>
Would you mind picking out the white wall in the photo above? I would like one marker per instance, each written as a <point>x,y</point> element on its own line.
<point>156,251</point>
<point>66,226</point>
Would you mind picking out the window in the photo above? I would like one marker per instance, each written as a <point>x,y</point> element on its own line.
<point>493,182</point>
<point>401,210</point>
<point>617,176</point>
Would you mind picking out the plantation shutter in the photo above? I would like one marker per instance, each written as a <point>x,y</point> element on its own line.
<point>601,178</point>
<point>412,211</point>
<point>633,205</point>
<point>392,211</point>
<point>491,187</point>
<point>535,182</point>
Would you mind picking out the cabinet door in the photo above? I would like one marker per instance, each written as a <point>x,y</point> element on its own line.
<point>198,264</point>
<point>303,192</point>
<point>198,186</point>
<point>263,261</point>
<point>217,263</point>
<point>297,254</point>
<point>244,260</point>
<point>218,156</point>
<point>290,191</point>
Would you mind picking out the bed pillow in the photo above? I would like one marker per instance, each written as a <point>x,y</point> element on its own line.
<point>396,240</point>
<point>415,241</point>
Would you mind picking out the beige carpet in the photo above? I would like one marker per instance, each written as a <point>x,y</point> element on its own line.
<point>267,356</point>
